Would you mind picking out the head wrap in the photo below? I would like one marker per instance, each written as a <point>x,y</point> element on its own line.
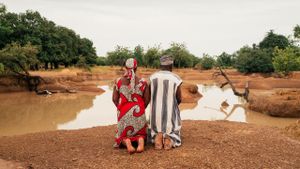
<point>166,60</point>
<point>130,65</point>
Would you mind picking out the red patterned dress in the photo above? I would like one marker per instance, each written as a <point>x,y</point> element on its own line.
<point>132,122</point>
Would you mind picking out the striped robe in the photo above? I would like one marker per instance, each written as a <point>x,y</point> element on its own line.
<point>164,111</point>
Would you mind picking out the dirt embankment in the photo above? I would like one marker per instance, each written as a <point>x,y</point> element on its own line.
<point>206,144</point>
<point>260,85</point>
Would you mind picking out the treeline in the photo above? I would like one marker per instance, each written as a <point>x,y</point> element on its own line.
<point>53,45</point>
<point>274,53</point>
<point>30,41</point>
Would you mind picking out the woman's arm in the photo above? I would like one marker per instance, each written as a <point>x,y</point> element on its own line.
<point>147,95</point>
<point>115,96</point>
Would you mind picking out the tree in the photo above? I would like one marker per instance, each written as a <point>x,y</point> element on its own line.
<point>1,68</point>
<point>250,60</point>
<point>101,61</point>
<point>225,60</point>
<point>119,56</point>
<point>286,60</point>
<point>56,44</point>
<point>272,40</point>
<point>151,57</point>
<point>297,32</point>
<point>207,62</point>
<point>17,59</point>
<point>182,57</point>
<point>138,53</point>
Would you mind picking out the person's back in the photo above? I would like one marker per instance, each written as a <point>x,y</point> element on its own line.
<point>165,122</point>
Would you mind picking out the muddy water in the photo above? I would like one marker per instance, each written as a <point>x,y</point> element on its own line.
<point>22,113</point>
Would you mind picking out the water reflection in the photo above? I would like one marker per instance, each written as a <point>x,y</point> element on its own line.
<point>26,112</point>
<point>209,106</point>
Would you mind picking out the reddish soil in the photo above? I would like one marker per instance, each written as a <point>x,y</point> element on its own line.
<point>69,80</point>
<point>279,102</point>
<point>214,144</point>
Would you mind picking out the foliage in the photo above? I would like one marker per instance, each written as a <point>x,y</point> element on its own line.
<point>101,61</point>
<point>1,68</point>
<point>273,40</point>
<point>286,60</point>
<point>56,44</point>
<point>17,59</point>
<point>225,60</point>
<point>138,53</point>
<point>251,60</point>
<point>119,56</point>
<point>151,57</point>
<point>297,32</point>
<point>182,57</point>
<point>207,62</point>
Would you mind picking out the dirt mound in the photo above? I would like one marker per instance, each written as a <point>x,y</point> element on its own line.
<point>280,103</point>
<point>218,144</point>
<point>190,93</point>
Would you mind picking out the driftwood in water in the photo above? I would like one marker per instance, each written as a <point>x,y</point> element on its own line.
<point>228,81</point>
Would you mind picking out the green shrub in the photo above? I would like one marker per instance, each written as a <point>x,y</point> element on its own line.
<point>250,60</point>
<point>207,62</point>
<point>286,60</point>
<point>1,68</point>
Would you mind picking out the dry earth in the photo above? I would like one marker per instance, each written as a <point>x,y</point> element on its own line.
<point>206,144</point>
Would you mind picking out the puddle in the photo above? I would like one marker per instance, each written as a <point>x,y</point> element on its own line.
<point>22,113</point>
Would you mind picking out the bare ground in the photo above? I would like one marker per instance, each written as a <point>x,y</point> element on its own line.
<point>206,144</point>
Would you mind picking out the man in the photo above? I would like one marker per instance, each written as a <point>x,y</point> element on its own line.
<point>165,122</point>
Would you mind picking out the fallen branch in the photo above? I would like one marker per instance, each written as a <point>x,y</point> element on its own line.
<point>228,81</point>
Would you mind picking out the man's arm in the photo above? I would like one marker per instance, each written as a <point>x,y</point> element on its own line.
<point>178,94</point>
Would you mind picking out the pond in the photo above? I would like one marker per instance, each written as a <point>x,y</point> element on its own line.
<point>22,113</point>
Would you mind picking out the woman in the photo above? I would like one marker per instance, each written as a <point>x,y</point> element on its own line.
<point>131,97</point>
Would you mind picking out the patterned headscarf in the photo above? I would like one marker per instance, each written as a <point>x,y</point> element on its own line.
<point>130,65</point>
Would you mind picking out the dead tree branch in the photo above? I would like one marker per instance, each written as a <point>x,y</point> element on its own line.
<point>228,81</point>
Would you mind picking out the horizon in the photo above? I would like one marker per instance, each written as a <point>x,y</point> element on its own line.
<point>210,27</point>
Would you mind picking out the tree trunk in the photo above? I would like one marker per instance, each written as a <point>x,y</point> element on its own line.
<point>55,65</point>
<point>51,65</point>
<point>46,65</point>
<point>36,66</point>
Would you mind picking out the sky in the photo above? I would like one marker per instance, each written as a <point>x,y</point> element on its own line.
<point>204,26</point>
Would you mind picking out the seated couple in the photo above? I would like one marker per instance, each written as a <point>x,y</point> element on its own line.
<point>131,95</point>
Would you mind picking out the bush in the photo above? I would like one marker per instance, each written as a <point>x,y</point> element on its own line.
<point>286,60</point>
<point>1,68</point>
<point>207,62</point>
<point>225,60</point>
<point>101,61</point>
<point>250,60</point>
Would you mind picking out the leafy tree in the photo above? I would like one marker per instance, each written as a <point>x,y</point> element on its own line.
<point>1,68</point>
<point>286,60</point>
<point>272,40</point>
<point>182,57</point>
<point>56,44</point>
<point>101,61</point>
<point>297,32</point>
<point>207,62</point>
<point>138,53</point>
<point>151,57</point>
<point>225,60</point>
<point>254,60</point>
<point>119,56</point>
<point>17,59</point>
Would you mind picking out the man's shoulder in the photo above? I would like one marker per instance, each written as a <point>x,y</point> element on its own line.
<point>165,74</point>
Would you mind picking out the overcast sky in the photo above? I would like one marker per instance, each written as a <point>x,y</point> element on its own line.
<point>205,26</point>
